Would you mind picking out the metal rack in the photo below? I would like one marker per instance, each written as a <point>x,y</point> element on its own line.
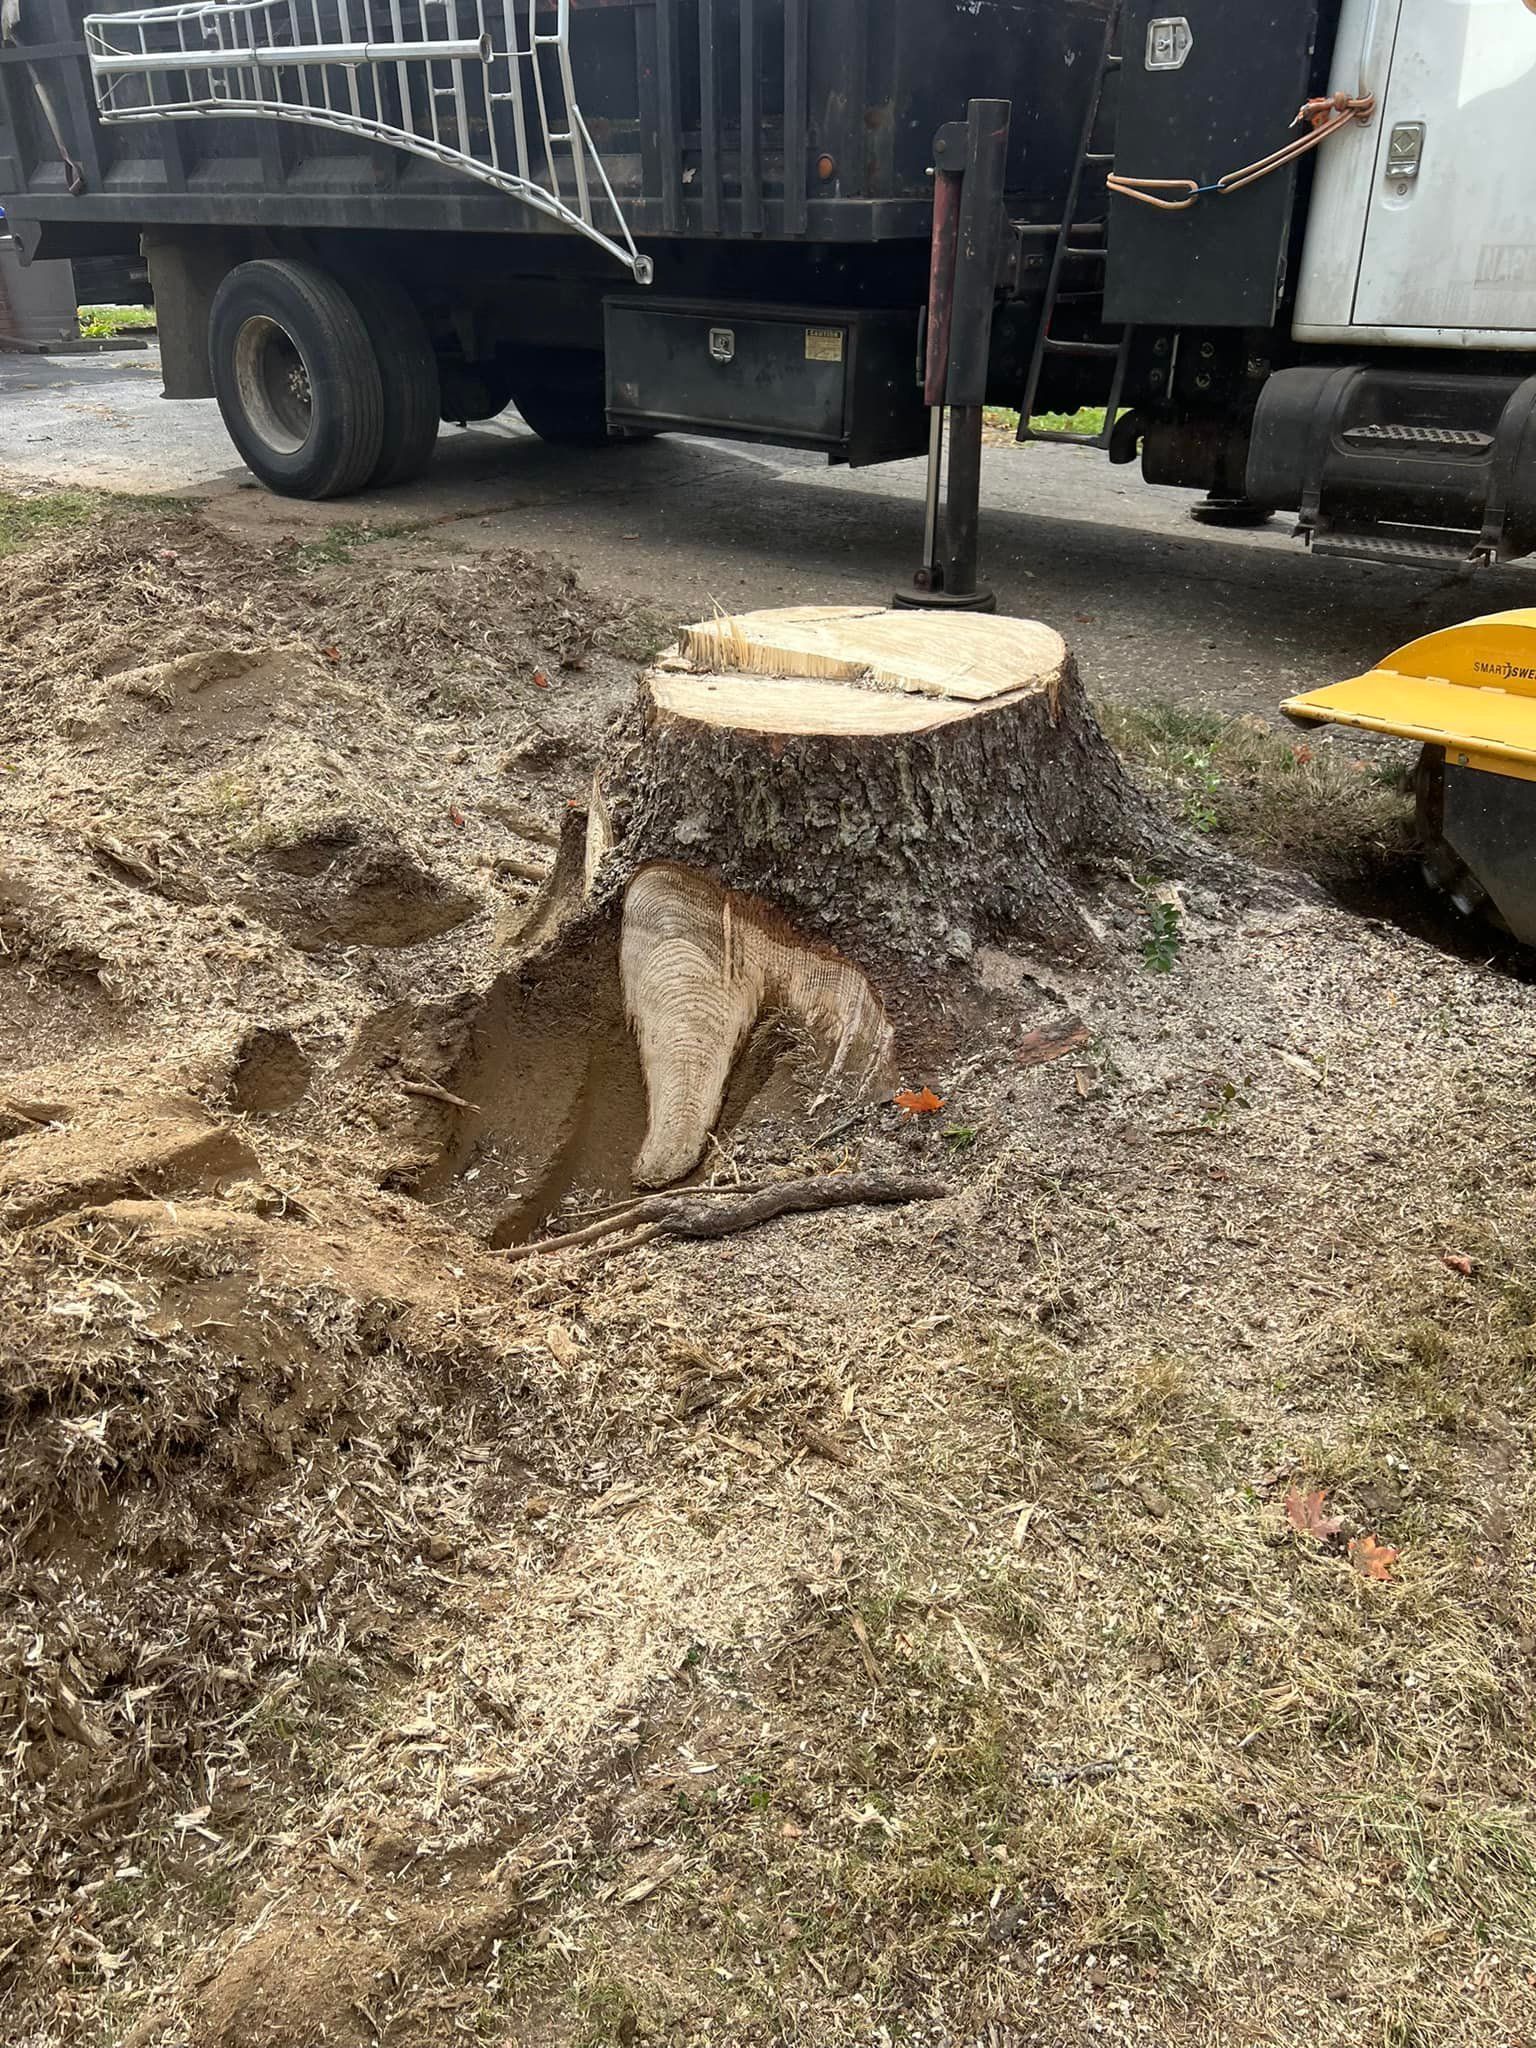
<point>472,85</point>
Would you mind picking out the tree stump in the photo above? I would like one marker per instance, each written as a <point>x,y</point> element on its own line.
<point>810,813</point>
<point>809,818</point>
<point>900,784</point>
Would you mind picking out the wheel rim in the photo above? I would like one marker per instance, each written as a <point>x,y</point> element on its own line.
<point>272,379</point>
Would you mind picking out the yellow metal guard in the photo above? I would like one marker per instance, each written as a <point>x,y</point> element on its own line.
<point>1470,689</point>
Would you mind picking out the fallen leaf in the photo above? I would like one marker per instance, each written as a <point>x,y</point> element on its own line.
<point>1458,1263</point>
<point>1304,1512</point>
<point>918,1101</point>
<point>1371,1558</point>
<point>456,816</point>
<point>331,653</point>
<point>540,680</point>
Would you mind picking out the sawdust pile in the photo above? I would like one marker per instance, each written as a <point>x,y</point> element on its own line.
<point>885,1627</point>
<point>236,758</point>
<point>236,821</point>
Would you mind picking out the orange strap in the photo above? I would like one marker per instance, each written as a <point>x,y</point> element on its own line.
<point>1324,117</point>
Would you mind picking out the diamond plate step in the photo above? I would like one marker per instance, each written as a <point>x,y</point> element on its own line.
<point>1406,550</point>
<point>1387,436</point>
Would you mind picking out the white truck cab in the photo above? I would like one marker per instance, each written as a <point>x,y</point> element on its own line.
<point>1421,231</point>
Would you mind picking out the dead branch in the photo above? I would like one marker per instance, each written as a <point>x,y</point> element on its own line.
<point>683,1215</point>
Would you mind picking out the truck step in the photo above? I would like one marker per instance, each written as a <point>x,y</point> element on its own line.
<point>1388,436</point>
<point>1404,547</point>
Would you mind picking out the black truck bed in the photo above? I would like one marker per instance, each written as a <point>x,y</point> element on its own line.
<point>725,120</point>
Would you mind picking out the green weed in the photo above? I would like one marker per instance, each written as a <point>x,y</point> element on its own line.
<point>338,544</point>
<point>1323,807</point>
<point>98,322</point>
<point>1165,934</point>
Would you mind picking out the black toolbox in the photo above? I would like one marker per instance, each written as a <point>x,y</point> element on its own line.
<point>844,382</point>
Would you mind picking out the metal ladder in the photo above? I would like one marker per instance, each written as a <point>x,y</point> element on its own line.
<point>1068,247</point>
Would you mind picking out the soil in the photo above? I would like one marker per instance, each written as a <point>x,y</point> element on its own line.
<point>883,1627</point>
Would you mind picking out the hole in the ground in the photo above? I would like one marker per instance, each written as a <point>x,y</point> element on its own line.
<point>270,1073</point>
<point>374,896</point>
<point>557,1113</point>
<point>315,851</point>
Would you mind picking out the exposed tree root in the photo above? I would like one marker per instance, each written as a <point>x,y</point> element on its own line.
<point>687,1215</point>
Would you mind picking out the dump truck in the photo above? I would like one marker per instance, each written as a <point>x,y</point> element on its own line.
<point>623,216</point>
<point>1283,246</point>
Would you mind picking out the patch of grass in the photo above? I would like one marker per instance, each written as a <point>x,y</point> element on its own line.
<point>1087,420</point>
<point>338,544</point>
<point>234,801</point>
<point>24,520</point>
<point>1460,1863</point>
<point>605,2013</point>
<point>642,634</point>
<point>1150,1749</point>
<point>97,322</point>
<point>1318,805</point>
<point>30,517</point>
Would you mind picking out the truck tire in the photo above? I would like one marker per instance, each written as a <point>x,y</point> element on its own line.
<point>408,376</point>
<point>297,379</point>
<point>560,392</point>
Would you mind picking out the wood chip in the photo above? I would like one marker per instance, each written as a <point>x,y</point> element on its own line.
<point>861,1637</point>
<point>1049,1041</point>
<point>973,1653</point>
<point>430,1092</point>
<point>647,1885</point>
<point>743,1444</point>
<point>823,1445</point>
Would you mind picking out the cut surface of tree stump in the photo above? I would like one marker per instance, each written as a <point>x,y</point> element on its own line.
<point>700,966</point>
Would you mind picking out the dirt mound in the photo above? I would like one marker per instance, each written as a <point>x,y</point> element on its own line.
<point>104,1149</point>
<point>300,1977</point>
<point>243,734</point>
